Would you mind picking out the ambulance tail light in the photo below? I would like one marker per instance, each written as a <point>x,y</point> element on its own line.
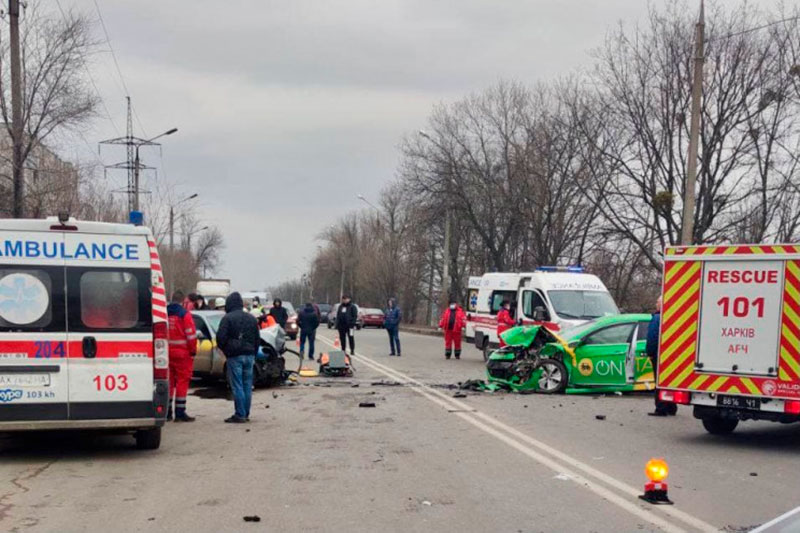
<point>791,407</point>
<point>160,351</point>
<point>677,396</point>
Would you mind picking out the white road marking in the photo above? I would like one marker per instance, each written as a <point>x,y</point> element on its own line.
<point>512,437</point>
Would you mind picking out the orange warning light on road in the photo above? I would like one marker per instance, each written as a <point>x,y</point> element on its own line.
<point>656,470</point>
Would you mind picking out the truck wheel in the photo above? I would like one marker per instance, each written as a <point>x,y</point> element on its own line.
<point>554,378</point>
<point>720,426</point>
<point>148,439</point>
<point>486,351</point>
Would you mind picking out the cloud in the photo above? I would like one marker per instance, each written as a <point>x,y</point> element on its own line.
<point>289,108</point>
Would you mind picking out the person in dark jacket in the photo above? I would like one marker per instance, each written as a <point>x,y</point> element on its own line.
<point>279,312</point>
<point>391,321</point>
<point>662,408</point>
<point>238,337</point>
<point>346,319</point>
<point>308,322</point>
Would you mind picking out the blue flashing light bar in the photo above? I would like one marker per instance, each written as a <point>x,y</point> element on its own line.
<point>576,269</point>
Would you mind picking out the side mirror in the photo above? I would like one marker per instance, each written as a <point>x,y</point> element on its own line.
<point>539,314</point>
<point>201,336</point>
<point>519,321</point>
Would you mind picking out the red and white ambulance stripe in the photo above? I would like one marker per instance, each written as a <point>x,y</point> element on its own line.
<point>159,291</point>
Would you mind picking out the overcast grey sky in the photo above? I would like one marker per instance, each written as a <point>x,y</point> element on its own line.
<point>289,108</point>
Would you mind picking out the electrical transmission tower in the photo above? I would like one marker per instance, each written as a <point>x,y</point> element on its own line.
<point>132,165</point>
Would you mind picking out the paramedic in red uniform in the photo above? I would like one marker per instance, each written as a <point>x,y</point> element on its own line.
<point>504,320</point>
<point>182,349</point>
<point>452,323</point>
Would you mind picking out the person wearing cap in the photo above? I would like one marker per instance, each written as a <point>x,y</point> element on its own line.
<point>219,304</point>
<point>452,323</point>
<point>346,319</point>
<point>391,321</point>
<point>279,312</point>
<point>182,349</point>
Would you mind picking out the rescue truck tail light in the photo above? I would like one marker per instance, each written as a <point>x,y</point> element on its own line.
<point>681,397</point>
<point>160,351</point>
<point>791,407</point>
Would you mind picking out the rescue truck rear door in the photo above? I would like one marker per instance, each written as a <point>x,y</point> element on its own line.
<point>34,362</point>
<point>108,280</point>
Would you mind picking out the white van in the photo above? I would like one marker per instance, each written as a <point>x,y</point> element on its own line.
<point>567,295</point>
<point>83,328</point>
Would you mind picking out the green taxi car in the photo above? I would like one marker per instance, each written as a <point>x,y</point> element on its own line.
<point>603,355</point>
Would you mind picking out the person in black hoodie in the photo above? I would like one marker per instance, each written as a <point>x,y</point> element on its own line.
<point>346,318</point>
<point>308,322</point>
<point>279,313</point>
<point>238,337</point>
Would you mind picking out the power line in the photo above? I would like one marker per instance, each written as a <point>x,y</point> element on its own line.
<point>116,64</point>
<point>91,78</point>
<point>111,48</point>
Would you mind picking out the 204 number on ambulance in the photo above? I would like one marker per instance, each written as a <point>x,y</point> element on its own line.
<point>111,382</point>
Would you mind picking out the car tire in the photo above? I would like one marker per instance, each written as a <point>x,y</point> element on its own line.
<point>720,426</point>
<point>148,439</point>
<point>358,328</point>
<point>259,372</point>
<point>293,337</point>
<point>554,378</point>
<point>330,326</point>
<point>486,351</point>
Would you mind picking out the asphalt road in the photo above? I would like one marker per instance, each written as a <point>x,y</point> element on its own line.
<point>421,460</point>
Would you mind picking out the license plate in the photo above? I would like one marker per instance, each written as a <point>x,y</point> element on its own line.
<point>739,402</point>
<point>25,380</point>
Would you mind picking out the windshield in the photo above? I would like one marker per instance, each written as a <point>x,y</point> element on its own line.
<point>577,331</point>
<point>213,320</point>
<point>372,311</point>
<point>289,307</point>
<point>582,305</point>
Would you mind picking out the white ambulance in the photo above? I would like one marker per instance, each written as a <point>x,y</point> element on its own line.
<point>567,295</point>
<point>83,328</point>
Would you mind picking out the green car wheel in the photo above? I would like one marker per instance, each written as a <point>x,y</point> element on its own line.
<point>553,378</point>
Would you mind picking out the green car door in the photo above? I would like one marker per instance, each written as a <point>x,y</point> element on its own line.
<point>603,356</point>
<point>643,372</point>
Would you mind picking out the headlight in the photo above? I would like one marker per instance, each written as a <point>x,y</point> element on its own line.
<point>294,326</point>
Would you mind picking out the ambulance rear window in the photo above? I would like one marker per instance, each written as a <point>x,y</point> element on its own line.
<point>109,299</point>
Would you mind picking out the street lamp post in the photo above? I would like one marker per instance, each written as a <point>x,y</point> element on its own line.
<point>136,165</point>
<point>172,240</point>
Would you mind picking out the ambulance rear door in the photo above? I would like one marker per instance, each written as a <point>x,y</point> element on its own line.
<point>110,319</point>
<point>34,362</point>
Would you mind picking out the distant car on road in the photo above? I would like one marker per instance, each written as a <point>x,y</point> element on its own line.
<point>371,317</point>
<point>324,309</point>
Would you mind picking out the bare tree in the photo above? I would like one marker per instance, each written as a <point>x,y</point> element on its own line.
<point>55,92</point>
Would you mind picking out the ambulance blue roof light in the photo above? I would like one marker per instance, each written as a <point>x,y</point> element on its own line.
<point>575,269</point>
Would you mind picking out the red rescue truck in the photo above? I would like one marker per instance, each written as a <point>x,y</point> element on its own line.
<point>83,328</point>
<point>730,333</point>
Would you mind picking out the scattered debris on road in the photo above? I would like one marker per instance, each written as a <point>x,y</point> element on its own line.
<point>600,417</point>
<point>384,383</point>
<point>459,395</point>
<point>252,518</point>
<point>367,404</point>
